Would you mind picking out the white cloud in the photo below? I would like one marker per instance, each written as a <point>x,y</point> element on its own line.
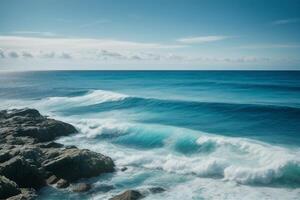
<point>13,54</point>
<point>35,33</point>
<point>65,55</point>
<point>105,54</point>
<point>27,54</point>
<point>62,52</point>
<point>47,54</point>
<point>285,21</point>
<point>201,39</point>
<point>270,46</point>
<point>2,53</point>
<point>76,43</point>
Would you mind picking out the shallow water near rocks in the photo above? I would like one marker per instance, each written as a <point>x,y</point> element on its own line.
<point>199,135</point>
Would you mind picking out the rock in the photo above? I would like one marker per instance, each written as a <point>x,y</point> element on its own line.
<point>29,156</point>
<point>81,187</point>
<point>52,180</point>
<point>124,169</point>
<point>25,112</point>
<point>156,190</point>
<point>4,155</point>
<point>21,172</point>
<point>26,194</point>
<point>30,123</point>
<point>73,164</point>
<point>62,183</point>
<point>8,188</point>
<point>46,130</point>
<point>50,145</point>
<point>128,195</point>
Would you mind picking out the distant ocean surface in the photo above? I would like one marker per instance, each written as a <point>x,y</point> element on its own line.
<point>198,134</point>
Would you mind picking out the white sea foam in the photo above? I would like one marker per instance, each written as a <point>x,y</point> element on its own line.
<point>239,160</point>
<point>46,105</point>
<point>91,98</point>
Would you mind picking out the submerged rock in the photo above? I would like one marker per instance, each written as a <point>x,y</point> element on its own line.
<point>157,190</point>
<point>62,183</point>
<point>52,180</point>
<point>128,195</point>
<point>123,169</point>
<point>81,187</point>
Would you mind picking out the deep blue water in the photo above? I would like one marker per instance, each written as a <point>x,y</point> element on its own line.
<point>188,131</point>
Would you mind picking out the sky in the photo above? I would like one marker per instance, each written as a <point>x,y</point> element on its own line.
<point>149,35</point>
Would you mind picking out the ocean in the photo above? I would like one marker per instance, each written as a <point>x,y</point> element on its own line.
<point>197,134</point>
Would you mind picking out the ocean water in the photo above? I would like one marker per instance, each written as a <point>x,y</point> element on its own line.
<point>198,134</point>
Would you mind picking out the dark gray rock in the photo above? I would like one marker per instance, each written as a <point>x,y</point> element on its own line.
<point>73,164</point>
<point>81,187</point>
<point>124,169</point>
<point>157,190</point>
<point>29,122</point>
<point>52,180</point>
<point>8,188</point>
<point>26,194</point>
<point>29,157</point>
<point>50,145</point>
<point>46,130</point>
<point>21,172</point>
<point>62,183</point>
<point>128,195</point>
<point>25,112</point>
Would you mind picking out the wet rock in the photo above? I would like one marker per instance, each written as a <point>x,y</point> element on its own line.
<point>52,180</point>
<point>81,187</point>
<point>8,188</point>
<point>21,172</point>
<point>73,164</point>
<point>4,155</point>
<point>50,145</point>
<point>124,169</point>
<point>25,112</point>
<point>62,183</point>
<point>28,155</point>
<point>157,190</point>
<point>26,194</point>
<point>128,195</point>
<point>30,123</point>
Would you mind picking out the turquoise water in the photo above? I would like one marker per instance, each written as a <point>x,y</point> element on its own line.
<point>198,134</point>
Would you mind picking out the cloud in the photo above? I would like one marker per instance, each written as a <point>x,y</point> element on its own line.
<point>35,33</point>
<point>27,54</point>
<point>286,21</point>
<point>201,39</point>
<point>13,54</point>
<point>2,54</point>
<point>77,43</point>
<point>47,55</point>
<point>109,54</point>
<point>65,56</point>
<point>270,46</point>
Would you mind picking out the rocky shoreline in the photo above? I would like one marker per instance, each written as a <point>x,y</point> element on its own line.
<point>30,159</point>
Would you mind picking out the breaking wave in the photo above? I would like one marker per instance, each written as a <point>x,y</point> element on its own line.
<point>184,151</point>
